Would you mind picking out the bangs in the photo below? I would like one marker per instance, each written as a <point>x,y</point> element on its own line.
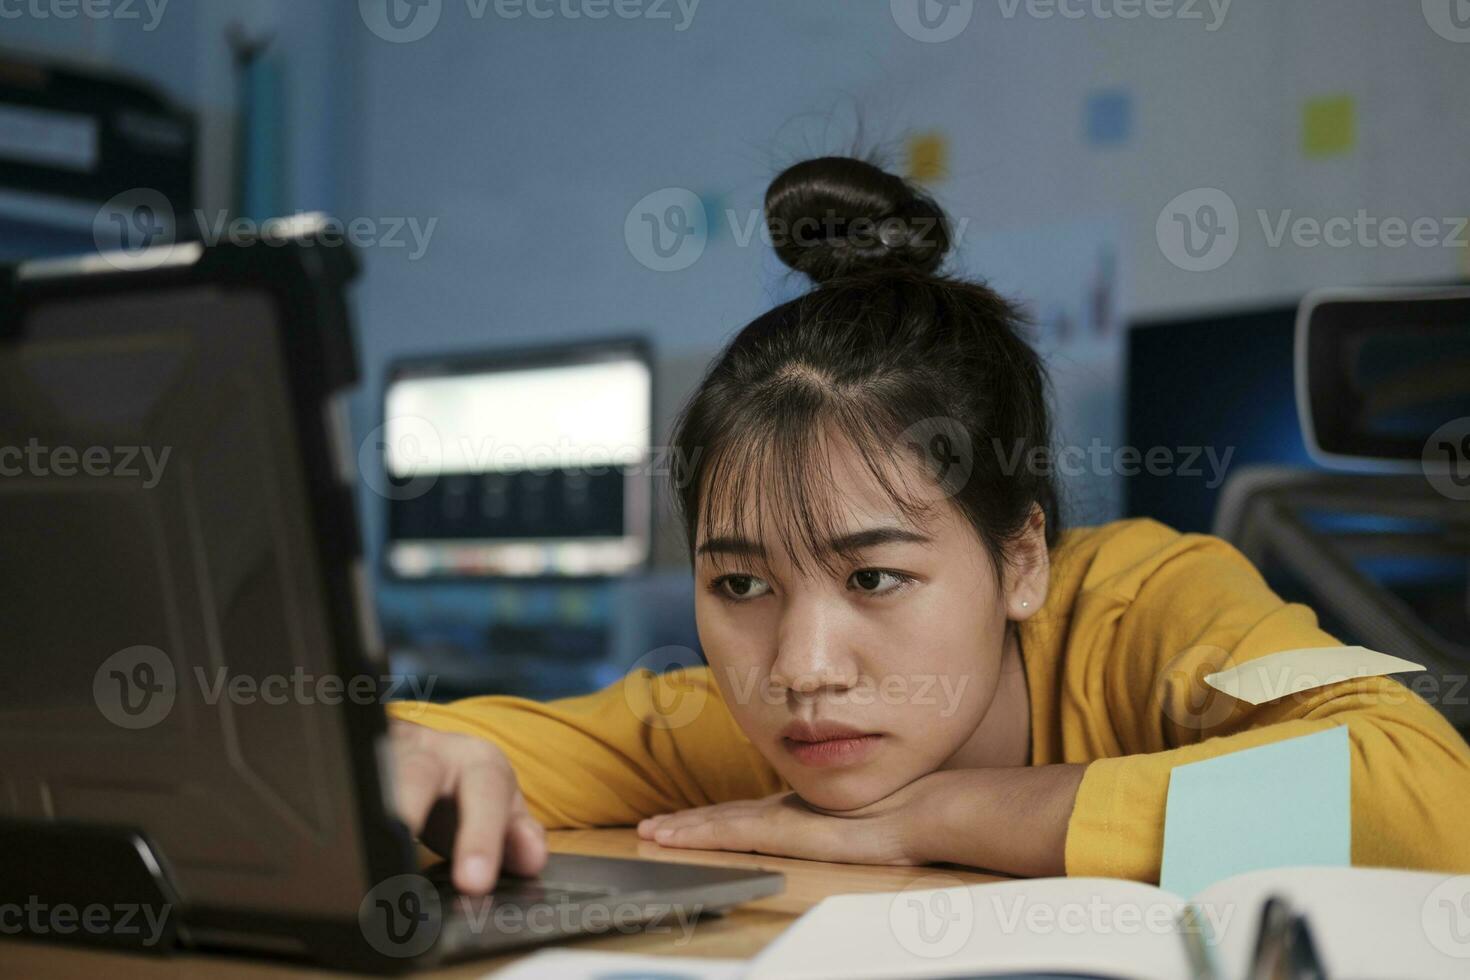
<point>785,468</point>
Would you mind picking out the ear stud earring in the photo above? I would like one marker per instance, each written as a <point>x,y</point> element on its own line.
<point>1025,603</point>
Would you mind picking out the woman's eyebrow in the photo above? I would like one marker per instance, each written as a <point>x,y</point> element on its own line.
<point>852,541</point>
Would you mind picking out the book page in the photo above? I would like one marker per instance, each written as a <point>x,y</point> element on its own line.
<point>1368,923</point>
<point>1094,926</point>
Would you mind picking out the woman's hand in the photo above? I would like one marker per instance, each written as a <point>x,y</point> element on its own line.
<point>1012,820</point>
<point>786,826</point>
<point>458,794</point>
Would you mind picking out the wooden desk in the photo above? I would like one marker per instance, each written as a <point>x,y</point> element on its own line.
<point>740,934</point>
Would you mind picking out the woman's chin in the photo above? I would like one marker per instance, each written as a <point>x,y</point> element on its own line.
<point>842,791</point>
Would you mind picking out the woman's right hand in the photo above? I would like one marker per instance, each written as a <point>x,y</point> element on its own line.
<point>458,794</point>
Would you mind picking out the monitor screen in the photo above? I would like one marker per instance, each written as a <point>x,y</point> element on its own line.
<point>1217,391</point>
<point>1383,375</point>
<point>533,463</point>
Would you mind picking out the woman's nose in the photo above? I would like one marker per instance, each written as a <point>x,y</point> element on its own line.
<point>813,650</point>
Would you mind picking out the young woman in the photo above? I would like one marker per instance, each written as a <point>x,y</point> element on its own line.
<point>908,660</point>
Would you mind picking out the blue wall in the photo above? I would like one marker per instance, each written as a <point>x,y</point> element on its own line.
<point>526,142</point>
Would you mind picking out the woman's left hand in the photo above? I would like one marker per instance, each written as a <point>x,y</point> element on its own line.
<point>784,825</point>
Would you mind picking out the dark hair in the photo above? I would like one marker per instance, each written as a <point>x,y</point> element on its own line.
<point>887,352</point>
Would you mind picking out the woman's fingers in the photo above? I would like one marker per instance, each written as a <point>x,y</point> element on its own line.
<point>417,785</point>
<point>484,792</point>
<point>525,846</point>
<point>462,789</point>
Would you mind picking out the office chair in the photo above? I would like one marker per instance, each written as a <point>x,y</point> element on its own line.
<point>1383,395</point>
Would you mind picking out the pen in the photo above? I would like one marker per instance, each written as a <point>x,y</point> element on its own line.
<point>1201,960</point>
<point>1285,949</point>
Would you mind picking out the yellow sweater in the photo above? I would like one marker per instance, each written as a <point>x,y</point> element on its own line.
<point>1136,616</point>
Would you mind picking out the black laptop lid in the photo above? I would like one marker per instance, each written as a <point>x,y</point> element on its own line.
<point>186,642</point>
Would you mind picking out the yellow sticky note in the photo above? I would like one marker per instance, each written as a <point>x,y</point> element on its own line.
<point>928,157</point>
<point>1329,125</point>
<point>1291,671</point>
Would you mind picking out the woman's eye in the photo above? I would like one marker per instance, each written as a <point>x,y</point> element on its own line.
<point>871,581</point>
<point>740,587</point>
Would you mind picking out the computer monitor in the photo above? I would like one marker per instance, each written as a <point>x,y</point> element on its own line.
<point>519,463</point>
<point>1218,391</point>
<point>1383,376</point>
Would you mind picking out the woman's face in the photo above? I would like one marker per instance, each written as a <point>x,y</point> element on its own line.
<point>900,650</point>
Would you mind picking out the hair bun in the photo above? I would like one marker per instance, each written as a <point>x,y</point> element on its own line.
<point>839,216</point>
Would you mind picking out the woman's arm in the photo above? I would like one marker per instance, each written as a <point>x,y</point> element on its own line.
<point>1206,608</point>
<point>645,744</point>
<point>1011,820</point>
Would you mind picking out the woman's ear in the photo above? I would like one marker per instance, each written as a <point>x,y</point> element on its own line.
<point>1028,571</point>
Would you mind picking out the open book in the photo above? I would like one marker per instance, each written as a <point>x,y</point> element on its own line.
<point>1366,922</point>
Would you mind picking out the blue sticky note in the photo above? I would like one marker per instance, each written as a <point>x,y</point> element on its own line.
<point>1109,117</point>
<point>1286,803</point>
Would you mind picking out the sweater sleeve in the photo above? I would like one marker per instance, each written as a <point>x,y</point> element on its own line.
<point>647,744</point>
<point>1206,609</point>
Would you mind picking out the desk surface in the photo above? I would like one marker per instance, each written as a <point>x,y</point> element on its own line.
<point>740,934</point>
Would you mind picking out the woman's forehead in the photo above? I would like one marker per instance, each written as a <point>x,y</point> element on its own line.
<point>803,508</point>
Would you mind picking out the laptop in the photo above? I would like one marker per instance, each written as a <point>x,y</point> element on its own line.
<point>192,741</point>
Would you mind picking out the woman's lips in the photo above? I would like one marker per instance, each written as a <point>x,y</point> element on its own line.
<point>832,751</point>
